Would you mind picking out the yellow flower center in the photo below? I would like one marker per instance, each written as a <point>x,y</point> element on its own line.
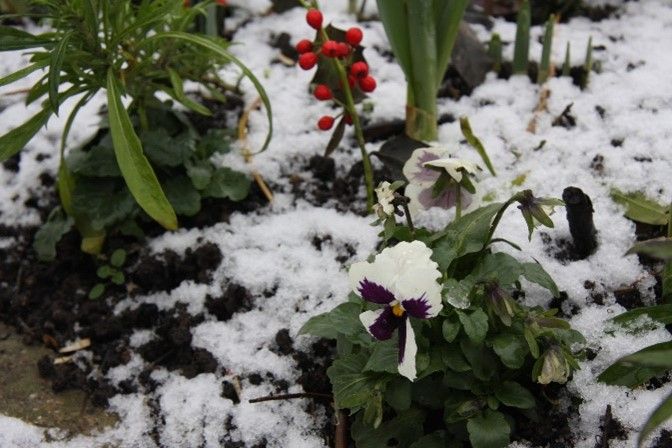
<point>397,310</point>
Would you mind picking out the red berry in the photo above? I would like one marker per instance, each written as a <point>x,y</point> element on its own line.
<point>348,119</point>
<point>354,36</point>
<point>359,70</point>
<point>330,48</point>
<point>352,81</point>
<point>322,92</point>
<point>314,18</point>
<point>367,84</point>
<point>307,60</point>
<point>304,46</point>
<point>325,123</point>
<point>342,49</point>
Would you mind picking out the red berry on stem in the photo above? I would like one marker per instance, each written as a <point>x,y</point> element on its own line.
<point>314,18</point>
<point>342,49</point>
<point>330,48</point>
<point>307,60</point>
<point>348,119</point>
<point>322,92</point>
<point>354,36</point>
<point>325,123</point>
<point>304,46</point>
<point>359,70</point>
<point>352,81</point>
<point>367,84</point>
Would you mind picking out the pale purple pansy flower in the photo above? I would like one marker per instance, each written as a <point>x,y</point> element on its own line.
<point>403,279</point>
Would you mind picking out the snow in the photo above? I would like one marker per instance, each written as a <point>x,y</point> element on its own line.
<point>272,250</point>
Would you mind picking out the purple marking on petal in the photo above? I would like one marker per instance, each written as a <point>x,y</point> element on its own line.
<point>445,200</point>
<point>426,174</point>
<point>402,339</point>
<point>374,293</point>
<point>418,308</point>
<point>385,325</point>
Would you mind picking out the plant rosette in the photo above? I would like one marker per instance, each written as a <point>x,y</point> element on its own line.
<point>432,325</point>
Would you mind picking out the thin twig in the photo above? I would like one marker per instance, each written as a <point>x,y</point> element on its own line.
<point>314,395</point>
<point>247,154</point>
<point>341,438</point>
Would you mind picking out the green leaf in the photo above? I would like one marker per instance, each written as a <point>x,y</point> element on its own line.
<point>135,167</point>
<point>344,319</point>
<point>20,74</point>
<point>406,428</point>
<point>222,52</point>
<point>373,411</point>
<point>437,439</point>
<point>513,394</point>
<point>660,313</point>
<point>165,150</point>
<point>227,183</point>
<point>97,291</point>
<point>336,137</point>
<point>657,418</point>
<point>99,161</point>
<point>464,235</point>
<point>655,358</point>
<point>118,278</point>
<point>453,359</point>
<point>481,359</point>
<point>475,143</point>
<point>489,430</point>
<point>118,258</point>
<point>500,267</point>
<point>535,273</point>
<point>398,393</point>
<point>104,272</point>
<point>214,141</point>
<point>456,293</point>
<point>14,141</point>
<point>660,248</point>
<point>475,324</point>
<point>447,28</point>
<point>12,39</point>
<point>102,202</point>
<point>51,232</point>
<point>200,173</point>
<point>395,21</point>
<point>450,328</point>
<point>384,357</point>
<point>532,343</point>
<point>511,349</point>
<point>352,387</point>
<point>640,209</point>
<point>625,373</point>
<point>522,43</point>
<point>183,196</point>
<point>56,63</point>
<point>545,65</point>
<point>180,96</point>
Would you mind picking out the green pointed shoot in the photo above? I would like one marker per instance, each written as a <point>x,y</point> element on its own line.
<point>588,64</point>
<point>495,52</point>
<point>567,66</point>
<point>475,142</point>
<point>521,50</point>
<point>545,67</point>
<point>135,168</point>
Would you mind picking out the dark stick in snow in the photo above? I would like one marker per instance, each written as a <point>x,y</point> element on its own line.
<point>580,217</point>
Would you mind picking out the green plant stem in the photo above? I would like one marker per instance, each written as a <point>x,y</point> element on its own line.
<point>498,217</point>
<point>407,214</point>
<point>359,134</point>
<point>667,271</point>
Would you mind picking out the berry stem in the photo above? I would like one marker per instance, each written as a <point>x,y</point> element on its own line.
<point>359,134</point>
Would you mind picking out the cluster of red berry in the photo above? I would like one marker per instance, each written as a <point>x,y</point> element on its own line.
<point>358,72</point>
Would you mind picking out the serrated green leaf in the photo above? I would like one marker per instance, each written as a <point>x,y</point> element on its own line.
<point>352,387</point>
<point>482,360</point>
<point>227,183</point>
<point>183,196</point>
<point>165,150</point>
<point>475,324</point>
<point>641,209</point>
<point>489,430</point>
<point>398,394</point>
<point>137,172</point>
<point>343,319</point>
<point>200,173</point>
<point>384,357</point>
<point>513,394</point>
<point>51,232</point>
<point>450,328</point>
<point>99,161</point>
<point>499,267</point>
<point>102,201</point>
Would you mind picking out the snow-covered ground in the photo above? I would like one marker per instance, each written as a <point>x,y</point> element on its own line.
<point>629,102</point>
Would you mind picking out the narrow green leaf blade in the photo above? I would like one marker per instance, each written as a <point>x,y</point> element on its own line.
<point>135,167</point>
<point>14,141</point>
<point>641,209</point>
<point>660,313</point>
<point>522,45</point>
<point>55,64</point>
<point>625,373</point>
<point>659,416</point>
<point>19,74</point>
<point>178,93</point>
<point>475,143</point>
<point>657,248</point>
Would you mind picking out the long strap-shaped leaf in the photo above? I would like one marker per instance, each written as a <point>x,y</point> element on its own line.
<point>448,20</point>
<point>138,173</point>
<point>395,20</point>
<point>22,73</point>
<point>226,55</point>
<point>659,416</point>
<point>14,141</point>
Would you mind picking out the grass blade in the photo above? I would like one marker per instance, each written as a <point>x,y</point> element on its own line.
<point>522,46</point>
<point>475,142</point>
<point>495,52</point>
<point>135,168</point>
<point>179,95</point>
<point>545,67</point>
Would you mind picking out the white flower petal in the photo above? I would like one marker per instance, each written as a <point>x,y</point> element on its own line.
<point>407,366</point>
<point>453,167</point>
<point>377,272</point>
<point>412,192</point>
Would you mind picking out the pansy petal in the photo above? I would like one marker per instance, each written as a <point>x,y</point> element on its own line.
<point>374,293</point>
<point>379,272</point>
<point>419,308</point>
<point>380,323</point>
<point>415,170</point>
<point>407,351</point>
